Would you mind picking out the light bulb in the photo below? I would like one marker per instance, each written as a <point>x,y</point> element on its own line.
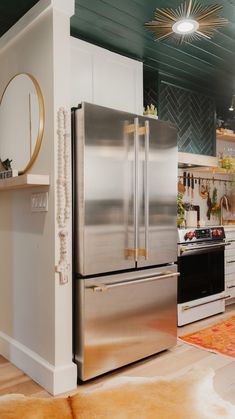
<point>185,26</point>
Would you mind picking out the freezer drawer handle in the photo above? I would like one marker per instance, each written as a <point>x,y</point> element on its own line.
<point>231,261</point>
<point>185,308</point>
<point>106,287</point>
<point>230,286</point>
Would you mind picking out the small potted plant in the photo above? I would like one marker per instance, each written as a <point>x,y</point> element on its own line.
<point>151,111</point>
<point>6,170</point>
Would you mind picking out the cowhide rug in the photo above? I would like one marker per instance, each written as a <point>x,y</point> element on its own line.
<point>187,397</point>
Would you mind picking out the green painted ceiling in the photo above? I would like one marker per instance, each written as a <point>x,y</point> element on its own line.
<point>119,26</point>
<point>11,11</point>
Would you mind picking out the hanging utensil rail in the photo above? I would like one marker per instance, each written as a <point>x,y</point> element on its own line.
<point>207,178</point>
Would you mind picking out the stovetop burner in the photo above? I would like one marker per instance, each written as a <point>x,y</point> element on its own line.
<point>193,235</point>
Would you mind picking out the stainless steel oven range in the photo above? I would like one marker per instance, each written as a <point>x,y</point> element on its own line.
<point>201,284</point>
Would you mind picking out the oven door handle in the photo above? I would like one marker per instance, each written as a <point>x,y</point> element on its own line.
<point>188,307</point>
<point>195,249</point>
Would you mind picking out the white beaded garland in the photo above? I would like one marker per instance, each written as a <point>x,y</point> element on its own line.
<point>63,192</point>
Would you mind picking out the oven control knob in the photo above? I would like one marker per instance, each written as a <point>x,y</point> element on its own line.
<point>189,235</point>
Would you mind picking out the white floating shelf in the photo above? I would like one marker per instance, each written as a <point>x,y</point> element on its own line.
<point>190,159</point>
<point>213,170</point>
<point>224,136</point>
<point>24,181</point>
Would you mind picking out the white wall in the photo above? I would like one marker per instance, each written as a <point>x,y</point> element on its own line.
<point>225,147</point>
<point>102,77</point>
<point>35,310</point>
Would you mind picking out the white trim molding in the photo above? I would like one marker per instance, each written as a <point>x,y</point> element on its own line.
<point>55,380</point>
<point>66,7</point>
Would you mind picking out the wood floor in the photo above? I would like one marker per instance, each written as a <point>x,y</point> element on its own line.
<point>173,362</point>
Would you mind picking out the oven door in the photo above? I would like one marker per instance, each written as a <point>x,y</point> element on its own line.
<point>201,272</point>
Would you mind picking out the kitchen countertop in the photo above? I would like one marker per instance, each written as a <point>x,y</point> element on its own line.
<point>228,227</point>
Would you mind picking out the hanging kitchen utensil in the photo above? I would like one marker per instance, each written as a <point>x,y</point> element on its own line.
<point>181,187</point>
<point>185,179</point>
<point>209,206</point>
<point>192,186</point>
<point>227,202</point>
<point>203,190</point>
<point>188,184</point>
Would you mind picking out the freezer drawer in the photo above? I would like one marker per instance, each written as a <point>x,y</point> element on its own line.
<point>123,318</point>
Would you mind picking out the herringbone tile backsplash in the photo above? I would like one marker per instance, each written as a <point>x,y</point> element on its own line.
<point>194,116</point>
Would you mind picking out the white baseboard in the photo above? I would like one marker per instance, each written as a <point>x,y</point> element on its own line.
<point>55,380</point>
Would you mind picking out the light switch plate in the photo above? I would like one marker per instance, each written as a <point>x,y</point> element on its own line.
<point>39,202</point>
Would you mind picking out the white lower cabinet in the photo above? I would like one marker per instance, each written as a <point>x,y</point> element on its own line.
<point>230,265</point>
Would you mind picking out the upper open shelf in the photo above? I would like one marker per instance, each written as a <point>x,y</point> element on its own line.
<point>24,181</point>
<point>188,160</point>
<point>214,170</point>
<point>201,163</point>
<point>224,136</point>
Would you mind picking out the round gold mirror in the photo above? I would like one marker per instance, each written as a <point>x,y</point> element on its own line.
<point>22,118</point>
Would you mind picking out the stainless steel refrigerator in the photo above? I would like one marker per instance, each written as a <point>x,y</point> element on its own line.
<point>125,237</point>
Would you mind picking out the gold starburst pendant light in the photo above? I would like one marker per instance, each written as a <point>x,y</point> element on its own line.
<point>189,21</point>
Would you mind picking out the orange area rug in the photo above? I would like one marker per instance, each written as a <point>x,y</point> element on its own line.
<point>219,338</point>
<point>191,396</point>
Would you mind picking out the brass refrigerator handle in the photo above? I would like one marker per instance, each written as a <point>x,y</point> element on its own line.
<point>144,279</point>
<point>130,129</point>
<point>136,253</point>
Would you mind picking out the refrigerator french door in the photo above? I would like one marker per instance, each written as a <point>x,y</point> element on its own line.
<point>125,189</point>
<point>125,238</point>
